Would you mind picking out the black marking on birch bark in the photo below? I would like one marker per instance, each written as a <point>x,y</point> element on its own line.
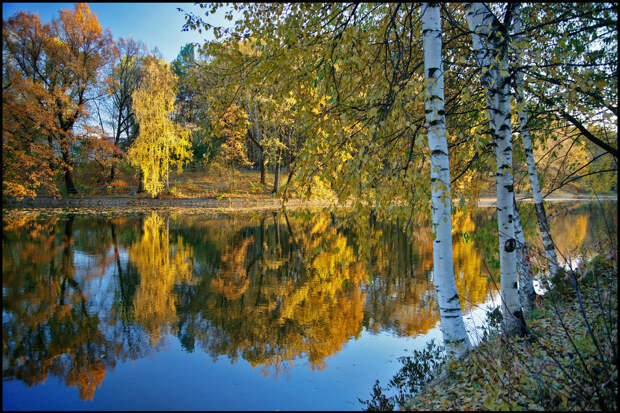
<point>518,314</point>
<point>441,112</point>
<point>427,111</point>
<point>522,326</point>
<point>506,81</point>
<point>460,340</point>
<point>432,70</point>
<point>436,152</point>
<point>454,297</point>
<point>514,285</point>
<point>433,180</point>
<point>510,245</point>
<point>509,188</point>
<point>451,316</point>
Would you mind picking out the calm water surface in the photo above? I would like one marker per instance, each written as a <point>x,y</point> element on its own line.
<point>264,312</point>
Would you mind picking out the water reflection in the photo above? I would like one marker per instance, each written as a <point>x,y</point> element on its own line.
<point>82,293</point>
<point>162,263</point>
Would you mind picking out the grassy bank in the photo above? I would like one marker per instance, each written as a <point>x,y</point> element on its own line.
<point>567,361</point>
<point>222,183</point>
<point>197,182</point>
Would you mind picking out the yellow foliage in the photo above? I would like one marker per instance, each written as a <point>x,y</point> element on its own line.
<point>161,266</point>
<point>161,142</point>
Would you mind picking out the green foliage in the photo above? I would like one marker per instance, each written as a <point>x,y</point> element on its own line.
<point>185,59</point>
<point>561,284</point>
<point>494,318</point>
<point>534,314</point>
<point>597,265</point>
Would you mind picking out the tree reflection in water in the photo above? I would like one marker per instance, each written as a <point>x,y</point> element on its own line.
<point>83,293</point>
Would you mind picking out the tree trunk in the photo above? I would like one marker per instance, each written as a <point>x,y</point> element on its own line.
<point>69,182</point>
<point>262,152</point>
<point>256,131</point>
<point>140,182</point>
<point>452,326</point>
<point>276,176</point>
<point>527,295</point>
<point>552,259</point>
<point>288,181</point>
<point>497,86</point>
<point>68,167</point>
<point>262,168</point>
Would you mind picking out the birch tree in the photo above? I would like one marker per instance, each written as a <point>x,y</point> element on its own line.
<point>452,326</point>
<point>490,43</point>
<point>552,260</point>
<point>527,295</point>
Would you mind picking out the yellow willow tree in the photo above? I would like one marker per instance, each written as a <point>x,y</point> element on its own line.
<point>160,142</point>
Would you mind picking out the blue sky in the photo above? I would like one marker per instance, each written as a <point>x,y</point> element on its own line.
<point>156,24</point>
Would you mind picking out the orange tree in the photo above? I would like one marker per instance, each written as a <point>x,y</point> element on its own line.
<point>49,71</point>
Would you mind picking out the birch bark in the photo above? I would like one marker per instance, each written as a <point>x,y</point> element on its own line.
<point>552,259</point>
<point>490,51</point>
<point>527,295</point>
<point>452,326</point>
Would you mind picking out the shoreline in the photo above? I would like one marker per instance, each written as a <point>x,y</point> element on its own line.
<point>232,204</point>
<point>452,388</point>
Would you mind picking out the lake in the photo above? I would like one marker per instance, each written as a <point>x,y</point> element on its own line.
<point>263,311</point>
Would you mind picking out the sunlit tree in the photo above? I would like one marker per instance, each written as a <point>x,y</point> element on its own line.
<point>161,143</point>
<point>49,74</point>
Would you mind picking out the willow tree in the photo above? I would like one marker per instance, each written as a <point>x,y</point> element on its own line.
<point>452,326</point>
<point>161,142</point>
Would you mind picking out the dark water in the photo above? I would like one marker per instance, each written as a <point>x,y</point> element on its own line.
<point>263,312</point>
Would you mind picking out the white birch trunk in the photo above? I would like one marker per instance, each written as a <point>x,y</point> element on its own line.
<point>452,326</point>
<point>495,78</point>
<point>552,259</point>
<point>527,295</point>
